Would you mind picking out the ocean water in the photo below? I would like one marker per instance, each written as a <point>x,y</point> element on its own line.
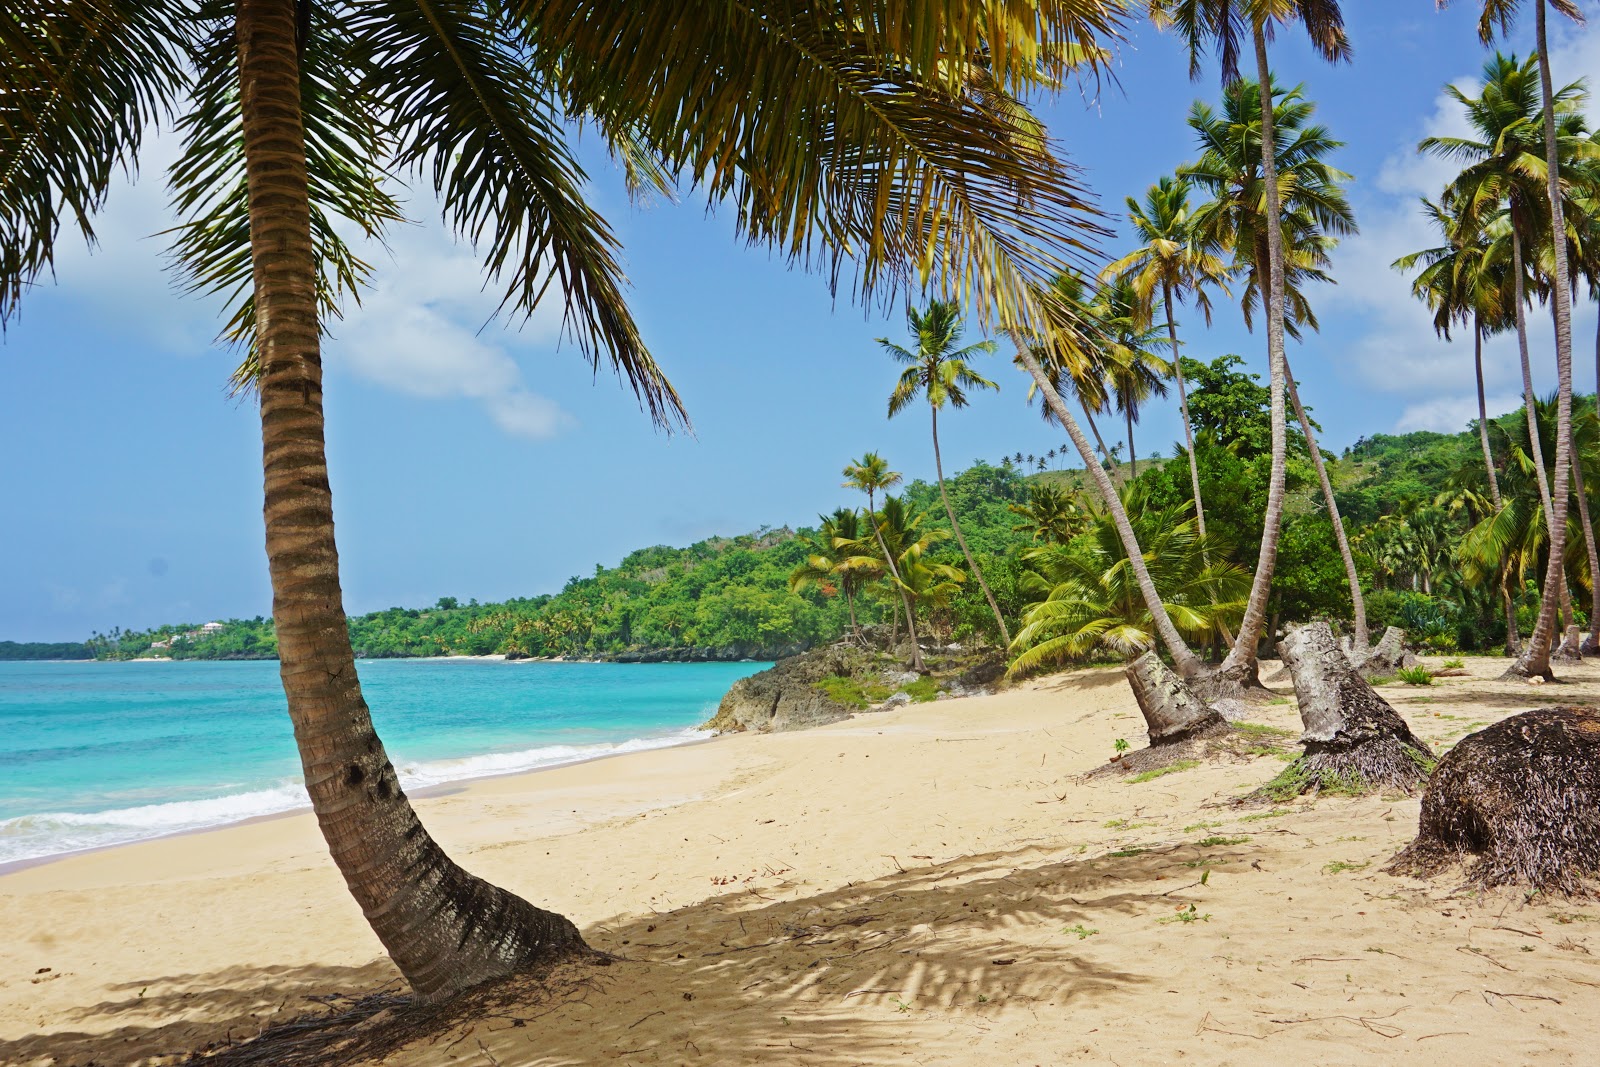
<point>95,754</point>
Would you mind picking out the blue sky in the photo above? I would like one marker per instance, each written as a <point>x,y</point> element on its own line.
<point>478,462</point>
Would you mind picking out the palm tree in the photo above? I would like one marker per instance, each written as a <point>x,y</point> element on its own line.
<point>1133,370</point>
<point>1535,659</point>
<point>1220,24</point>
<point>1090,599</point>
<point>939,372</point>
<point>830,558</point>
<point>1515,138</point>
<point>1175,259</point>
<point>1315,214</point>
<point>1051,515</point>
<point>317,105</point>
<point>871,475</point>
<point>901,539</point>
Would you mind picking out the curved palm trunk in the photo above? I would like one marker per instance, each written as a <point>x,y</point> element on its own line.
<point>900,587</point>
<point>1358,604</point>
<point>1483,413</point>
<point>445,929</point>
<point>850,602</point>
<point>938,467</point>
<point>1535,659</point>
<point>1593,641</point>
<point>1183,409</point>
<point>1189,666</point>
<point>1240,664</point>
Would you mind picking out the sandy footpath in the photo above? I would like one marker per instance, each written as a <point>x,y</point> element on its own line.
<point>933,885</point>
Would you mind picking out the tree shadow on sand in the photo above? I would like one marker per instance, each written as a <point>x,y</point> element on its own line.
<point>829,978</point>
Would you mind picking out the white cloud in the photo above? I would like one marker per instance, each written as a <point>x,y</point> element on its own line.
<point>1400,352</point>
<point>1452,414</point>
<point>424,329</point>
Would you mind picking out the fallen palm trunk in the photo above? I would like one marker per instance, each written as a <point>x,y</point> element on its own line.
<point>1519,802</point>
<point>1355,742</point>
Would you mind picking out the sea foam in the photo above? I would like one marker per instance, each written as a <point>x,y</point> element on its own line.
<point>31,837</point>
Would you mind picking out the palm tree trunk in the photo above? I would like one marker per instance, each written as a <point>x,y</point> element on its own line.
<point>1133,455</point>
<point>1183,409</point>
<point>850,602</point>
<point>1529,403</point>
<point>1535,660</point>
<point>894,571</point>
<point>1358,604</point>
<point>1240,664</point>
<point>1187,663</point>
<point>1593,643</point>
<point>1483,413</point>
<point>445,929</point>
<point>938,467</point>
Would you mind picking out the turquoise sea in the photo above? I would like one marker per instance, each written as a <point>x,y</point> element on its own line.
<point>95,754</point>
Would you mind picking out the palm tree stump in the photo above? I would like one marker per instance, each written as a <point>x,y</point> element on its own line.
<point>1518,803</point>
<point>1571,648</point>
<point>1384,659</point>
<point>1181,725</point>
<point>1355,742</point>
<point>1172,712</point>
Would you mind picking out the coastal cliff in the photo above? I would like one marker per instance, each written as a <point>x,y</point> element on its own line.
<point>835,682</point>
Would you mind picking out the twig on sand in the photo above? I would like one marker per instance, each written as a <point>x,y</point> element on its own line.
<point>651,1015</point>
<point>1487,993</point>
<point>1205,1024</point>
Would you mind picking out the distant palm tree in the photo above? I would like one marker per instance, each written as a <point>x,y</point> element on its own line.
<point>871,475</point>
<point>1133,371</point>
<point>1051,515</point>
<point>1175,259</point>
<point>830,558</point>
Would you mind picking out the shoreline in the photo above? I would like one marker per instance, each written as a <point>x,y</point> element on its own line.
<point>426,792</point>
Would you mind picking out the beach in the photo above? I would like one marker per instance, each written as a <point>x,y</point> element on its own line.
<point>934,885</point>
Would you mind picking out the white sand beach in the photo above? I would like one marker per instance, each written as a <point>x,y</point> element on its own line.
<point>932,885</point>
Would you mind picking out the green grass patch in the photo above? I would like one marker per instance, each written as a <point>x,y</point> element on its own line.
<point>1083,932</point>
<point>1341,866</point>
<point>1198,826</point>
<point>1275,813</point>
<point>1217,842</point>
<point>1453,664</point>
<point>854,693</point>
<point>1416,675</point>
<point>1382,679</point>
<point>1123,853</point>
<point>1160,772</point>
<point>1261,729</point>
<point>1297,780</point>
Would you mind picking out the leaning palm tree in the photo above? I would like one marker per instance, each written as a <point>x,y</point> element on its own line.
<point>1220,25</point>
<point>294,115</point>
<point>939,372</point>
<point>871,475</point>
<point>1177,260</point>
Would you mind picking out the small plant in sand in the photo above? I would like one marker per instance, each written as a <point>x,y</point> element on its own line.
<point>1083,932</point>
<point>1186,916</point>
<point>1341,866</point>
<point>1217,842</point>
<point>1416,675</point>
<point>1121,746</point>
<point>1455,664</point>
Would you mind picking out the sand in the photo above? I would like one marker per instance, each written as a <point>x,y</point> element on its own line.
<point>932,885</point>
